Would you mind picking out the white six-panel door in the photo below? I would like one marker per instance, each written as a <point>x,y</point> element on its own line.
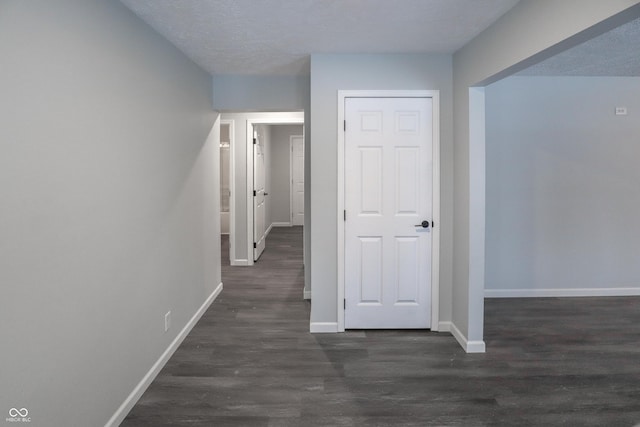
<point>259,206</point>
<point>388,194</point>
<point>297,180</point>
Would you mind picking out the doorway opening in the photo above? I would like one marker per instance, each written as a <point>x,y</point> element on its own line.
<point>225,189</point>
<point>278,180</point>
<point>388,209</point>
<point>263,192</point>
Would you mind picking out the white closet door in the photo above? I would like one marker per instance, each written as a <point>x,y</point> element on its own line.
<point>388,195</point>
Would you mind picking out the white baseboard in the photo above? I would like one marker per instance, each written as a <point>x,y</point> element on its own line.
<point>306,294</point>
<point>146,381</point>
<point>266,233</point>
<point>567,292</point>
<point>323,327</point>
<point>468,346</point>
<point>239,262</point>
<point>281,224</point>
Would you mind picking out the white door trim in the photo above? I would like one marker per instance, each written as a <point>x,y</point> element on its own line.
<point>435,257</point>
<point>289,118</point>
<point>291,175</point>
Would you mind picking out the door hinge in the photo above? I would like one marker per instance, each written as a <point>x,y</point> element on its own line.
<point>345,215</point>
<point>345,303</point>
<point>345,125</point>
<point>255,141</point>
<point>255,245</point>
<point>254,193</point>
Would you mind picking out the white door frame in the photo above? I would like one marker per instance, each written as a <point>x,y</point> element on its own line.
<point>291,174</point>
<point>232,189</point>
<point>435,256</point>
<point>292,118</point>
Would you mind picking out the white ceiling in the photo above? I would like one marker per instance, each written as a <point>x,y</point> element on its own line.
<point>615,53</point>
<point>276,37</point>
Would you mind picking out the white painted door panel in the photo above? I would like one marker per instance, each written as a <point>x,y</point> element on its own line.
<point>259,206</point>
<point>297,180</point>
<point>388,191</point>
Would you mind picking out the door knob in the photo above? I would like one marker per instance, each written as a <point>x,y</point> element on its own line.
<point>266,194</point>
<point>423,224</point>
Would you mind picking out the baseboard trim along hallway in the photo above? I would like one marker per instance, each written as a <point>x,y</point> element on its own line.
<point>561,292</point>
<point>144,383</point>
<point>468,346</point>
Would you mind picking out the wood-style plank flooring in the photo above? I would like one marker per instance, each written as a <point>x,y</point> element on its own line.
<point>251,361</point>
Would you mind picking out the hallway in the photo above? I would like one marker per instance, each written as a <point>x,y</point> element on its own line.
<point>251,361</point>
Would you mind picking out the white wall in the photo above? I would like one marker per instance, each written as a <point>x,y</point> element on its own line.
<point>109,205</point>
<point>562,196</point>
<point>530,32</point>
<point>280,172</point>
<point>330,73</point>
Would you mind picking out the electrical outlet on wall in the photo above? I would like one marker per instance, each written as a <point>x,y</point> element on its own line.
<point>167,321</point>
<point>621,111</point>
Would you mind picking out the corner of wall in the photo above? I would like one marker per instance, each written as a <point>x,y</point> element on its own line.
<point>477,346</point>
<point>145,382</point>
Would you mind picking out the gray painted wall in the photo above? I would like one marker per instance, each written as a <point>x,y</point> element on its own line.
<point>280,172</point>
<point>260,93</point>
<point>562,198</point>
<point>330,73</point>
<point>531,31</point>
<point>109,199</point>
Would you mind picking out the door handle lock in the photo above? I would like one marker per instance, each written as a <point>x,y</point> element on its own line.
<point>423,224</point>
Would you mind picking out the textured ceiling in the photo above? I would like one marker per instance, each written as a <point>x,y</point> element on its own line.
<point>615,53</point>
<point>276,37</point>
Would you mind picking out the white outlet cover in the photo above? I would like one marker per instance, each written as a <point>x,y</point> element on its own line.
<point>621,111</point>
<point>167,321</point>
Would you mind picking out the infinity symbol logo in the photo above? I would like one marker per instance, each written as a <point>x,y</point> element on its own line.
<point>13,412</point>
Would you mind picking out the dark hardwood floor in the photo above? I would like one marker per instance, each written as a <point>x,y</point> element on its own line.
<point>251,361</point>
